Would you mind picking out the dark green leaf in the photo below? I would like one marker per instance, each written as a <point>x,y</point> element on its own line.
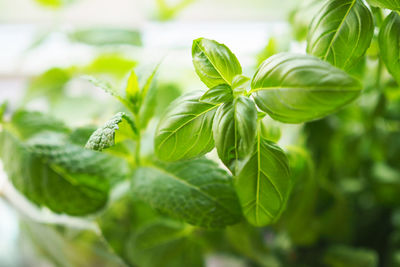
<point>185,130</point>
<point>389,40</point>
<point>215,64</point>
<point>341,32</point>
<point>63,177</point>
<point>117,129</point>
<point>297,88</point>
<point>219,94</point>
<point>196,191</point>
<point>234,130</point>
<point>264,183</point>
<point>389,4</point>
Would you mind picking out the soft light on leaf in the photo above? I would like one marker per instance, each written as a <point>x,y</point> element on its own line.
<point>295,88</point>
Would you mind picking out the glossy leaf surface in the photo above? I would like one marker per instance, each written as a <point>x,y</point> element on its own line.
<point>295,88</point>
<point>215,64</point>
<point>219,94</point>
<point>389,4</point>
<point>264,183</point>
<point>341,32</point>
<point>185,131</point>
<point>234,130</point>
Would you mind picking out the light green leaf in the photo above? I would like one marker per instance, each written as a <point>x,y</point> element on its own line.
<point>389,40</point>
<point>30,123</point>
<point>107,36</point>
<point>3,109</point>
<point>234,130</point>
<point>132,87</point>
<point>264,183</point>
<point>341,32</point>
<point>219,94</point>
<point>148,99</point>
<point>117,129</point>
<point>63,177</point>
<point>215,64</point>
<point>185,131</point>
<point>295,88</point>
<point>196,191</point>
<point>389,4</point>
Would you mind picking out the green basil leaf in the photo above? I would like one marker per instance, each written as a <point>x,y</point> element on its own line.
<point>132,87</point>
<point>63,177</point>
<point>196,191</point>
<point>185,131</point>
<point>118,129</point>
<point>215,64</point>
<point>341,32</point>
<point>389,4</point>
<point>234,130</point>
<point>297,88</point>
<point>389,39</point>
<point>219,94</point>
<point>264,183</point>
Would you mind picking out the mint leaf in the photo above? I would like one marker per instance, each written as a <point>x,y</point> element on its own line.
<point>117,129</point>
<point>63,177</point>
<point>196,191</point>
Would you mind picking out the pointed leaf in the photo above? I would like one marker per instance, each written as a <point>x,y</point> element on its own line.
<point>185,131</point>
<point>196,191</point>
<point>215,64</point>
<point>264,183</point>
<point>296,88</point>
<point>341,32</point>
<point>132,87</point>
<point>234,130</point>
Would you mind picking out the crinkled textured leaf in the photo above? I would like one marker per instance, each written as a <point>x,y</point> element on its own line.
<point>389,4</point>
<point>215,64</point>
<point>30,123</point>
<point>219,94</point>
<point>234,130</point>
<point>264,183</point>
<point>389,44</point>
<point>185,130</point>
<point>117,129</point>
<point>196,191</point>
<point>341,32</point>
<point>65,178</point>
<point>296,88</point>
